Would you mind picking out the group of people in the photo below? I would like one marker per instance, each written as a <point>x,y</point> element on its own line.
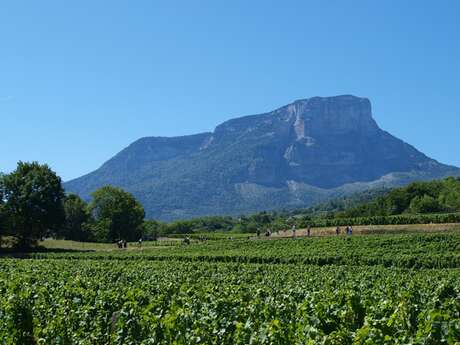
<point>348,229</point>
<point>294,231</point>
<point>122,244</point>
<point>267,233</point>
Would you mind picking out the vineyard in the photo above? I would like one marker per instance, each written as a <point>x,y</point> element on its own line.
<point>382,289</point>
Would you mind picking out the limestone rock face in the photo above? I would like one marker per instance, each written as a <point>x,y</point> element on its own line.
<point>303,152</point>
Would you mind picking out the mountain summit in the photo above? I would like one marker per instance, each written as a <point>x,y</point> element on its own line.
<point>307,151</point>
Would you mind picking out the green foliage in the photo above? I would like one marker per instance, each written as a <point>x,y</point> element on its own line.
<point>181,227</point>
<point>33,205</point>
<point>116,215</point>
<point>32,197</point>
<point>245,224</point>
<point>202,224</point>
<point>429,250</point>
<point>417,203</point>
<point>153,229</point>
<point>77,217</point>
<point>425,204</point>
<point>359,290</point>
<point>343,203</point>
<point>418,197</point>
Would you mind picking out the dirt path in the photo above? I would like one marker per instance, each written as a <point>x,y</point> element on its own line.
<point>371,229</point>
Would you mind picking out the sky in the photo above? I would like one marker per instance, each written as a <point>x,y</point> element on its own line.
<point>81,80</point>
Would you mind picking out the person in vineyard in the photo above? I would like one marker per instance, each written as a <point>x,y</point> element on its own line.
<point>293,231</point>
<point>309,231</point>
<point>348,230</point>
<point>337,230</point>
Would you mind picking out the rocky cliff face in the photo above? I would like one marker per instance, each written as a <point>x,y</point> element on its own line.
<point>300,153</point>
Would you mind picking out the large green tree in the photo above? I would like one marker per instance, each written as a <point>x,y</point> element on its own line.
<point>32,196</point>
<point>77,217</point>
<point>425,204</point>
<point>117,215</point>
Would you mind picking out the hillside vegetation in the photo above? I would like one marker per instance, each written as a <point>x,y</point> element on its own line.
<point>435,201</point>
<point>417,198</point>
<point>418,203</point>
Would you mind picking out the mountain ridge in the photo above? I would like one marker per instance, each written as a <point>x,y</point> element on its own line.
<point>304,152</point>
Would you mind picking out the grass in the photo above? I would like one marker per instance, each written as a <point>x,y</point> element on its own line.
<point>90,246</point>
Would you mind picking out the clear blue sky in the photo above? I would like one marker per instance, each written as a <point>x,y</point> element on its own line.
<point>81,80</point>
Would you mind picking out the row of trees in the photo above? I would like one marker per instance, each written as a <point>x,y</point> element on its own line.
<point>242,224</point>
<point>33,205</point>
<point>112,214</point>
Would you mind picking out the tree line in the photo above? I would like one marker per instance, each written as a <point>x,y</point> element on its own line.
<point>242,224</point>
<point>34,205</point>
<point>438,196</point>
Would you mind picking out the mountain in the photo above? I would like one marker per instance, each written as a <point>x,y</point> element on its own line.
<point>299,154</point>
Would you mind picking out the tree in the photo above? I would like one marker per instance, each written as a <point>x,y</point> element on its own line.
<point>181,227</point>
<point>450,194</point>
<point>77,218</point>
<point>425,204</point>
<point>116,214</point>
<point>154,229</point>
<point>32,197</point>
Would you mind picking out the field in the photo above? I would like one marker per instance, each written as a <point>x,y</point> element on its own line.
<point>401,288</point>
